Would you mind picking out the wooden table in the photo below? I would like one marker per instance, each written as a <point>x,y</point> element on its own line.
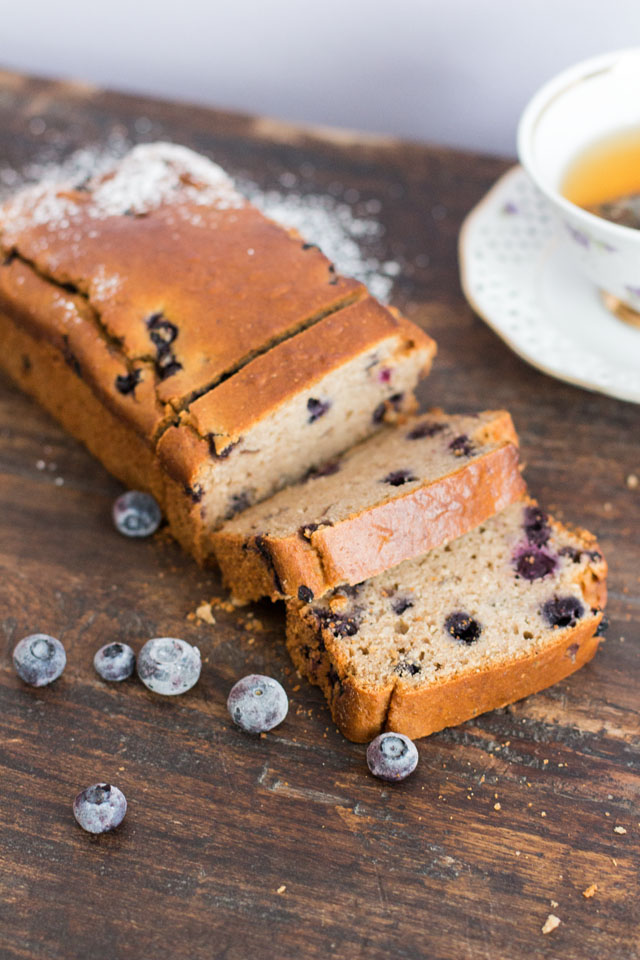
<point>283,846</point>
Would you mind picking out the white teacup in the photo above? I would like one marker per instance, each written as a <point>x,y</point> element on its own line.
<point>590,101</point>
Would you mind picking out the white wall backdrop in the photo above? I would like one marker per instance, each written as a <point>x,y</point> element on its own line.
<point>451,71</point>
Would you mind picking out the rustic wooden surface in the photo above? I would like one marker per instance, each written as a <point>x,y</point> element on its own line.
<point>284,846</point>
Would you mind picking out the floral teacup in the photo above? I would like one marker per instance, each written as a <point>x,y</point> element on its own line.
<point>580,106</point>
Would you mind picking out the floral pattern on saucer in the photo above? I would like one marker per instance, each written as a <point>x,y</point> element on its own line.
<point>519,279</point>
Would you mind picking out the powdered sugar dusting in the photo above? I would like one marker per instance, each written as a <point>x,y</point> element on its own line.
<point>148,177</point>
<point>155,173</point>
<point>332,225</point>
<point>104,285</point>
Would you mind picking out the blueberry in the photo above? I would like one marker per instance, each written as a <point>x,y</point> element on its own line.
<point>404,668</point>
<point>257,703</point>
<point>400,604</point>
<point>340,624</point>
<point>39,659</point>
<point>127,383</point>
<point>115,661</point>
<point>533,563</point>
<point>317,408</point>
<point>305,594</point>
<point>397,477</point>
<point>463,627</point>
<point>461,446</point>
<point>100,808</point>
<point>169,666</point>
<point>136,514</point>
<point>425,429</point>
<point>392,756</point>
<point>562,611</point>
<point>536,526</point>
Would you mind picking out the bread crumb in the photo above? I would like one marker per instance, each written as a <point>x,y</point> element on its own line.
<point>497,806</point>
<point>590,891</point>
<point>619,830</point>
<point>281,888</point>
<point>203,612</point>
<point>551,923</point>
<point>632,481</point>
<point>338,603</point>
<point>543,813</point>
<point>554,903</point>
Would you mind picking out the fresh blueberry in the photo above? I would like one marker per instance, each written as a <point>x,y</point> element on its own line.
<point>169,666</point>
<point>136,514</point>
<point>100,808</point>
<point>115,661</point>
<point>257,703</point>
<point>39,659</point>
<point>392,756</point>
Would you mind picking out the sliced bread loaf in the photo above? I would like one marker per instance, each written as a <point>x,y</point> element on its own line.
<point>185,338</point>
<point>395,496</point>
<point>502,612</point>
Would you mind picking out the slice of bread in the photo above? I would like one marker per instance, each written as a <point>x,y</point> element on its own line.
<point>397,495</point>
<point>502,612</point>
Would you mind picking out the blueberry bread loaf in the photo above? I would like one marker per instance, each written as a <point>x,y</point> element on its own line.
<point>502,612</point>
<point>185,338</point>
<point>396,495</point>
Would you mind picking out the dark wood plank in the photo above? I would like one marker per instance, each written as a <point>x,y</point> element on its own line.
<point>218,822</point>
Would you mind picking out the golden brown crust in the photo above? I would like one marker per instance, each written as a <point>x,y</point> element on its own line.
<point>380,537</point>
<point>39,368</point>
<point>419,712</point>
<point>66,322</point>
<point>297,364</point>
<point>230,281</point>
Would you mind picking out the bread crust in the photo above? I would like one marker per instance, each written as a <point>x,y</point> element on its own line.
<point>229,280</point>
<point>364,709</point>
<point>380,537</point>
<point>294,365</point>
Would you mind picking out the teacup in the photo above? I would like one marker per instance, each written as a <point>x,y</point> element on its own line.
<point>592,100</point>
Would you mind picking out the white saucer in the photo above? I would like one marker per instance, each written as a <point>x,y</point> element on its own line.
<point>517,277</point>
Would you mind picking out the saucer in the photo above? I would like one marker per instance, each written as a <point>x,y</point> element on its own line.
<point>517,276</point>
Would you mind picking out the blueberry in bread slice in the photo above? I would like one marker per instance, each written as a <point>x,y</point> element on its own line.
<point>400,493</point>
<point>185,338</point>
<point>504,611</point>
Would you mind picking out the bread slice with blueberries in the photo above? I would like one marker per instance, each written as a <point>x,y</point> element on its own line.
<point>502,612</point>
<point>400,493</point>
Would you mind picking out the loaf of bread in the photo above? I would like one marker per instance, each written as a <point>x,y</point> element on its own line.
<point>502,612</point>
<point>400,493</point>
<point>199,350</point>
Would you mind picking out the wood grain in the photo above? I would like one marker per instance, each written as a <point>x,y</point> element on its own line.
<point>218,822</point>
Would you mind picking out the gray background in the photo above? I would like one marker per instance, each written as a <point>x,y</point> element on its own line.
<point>456,72</point>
